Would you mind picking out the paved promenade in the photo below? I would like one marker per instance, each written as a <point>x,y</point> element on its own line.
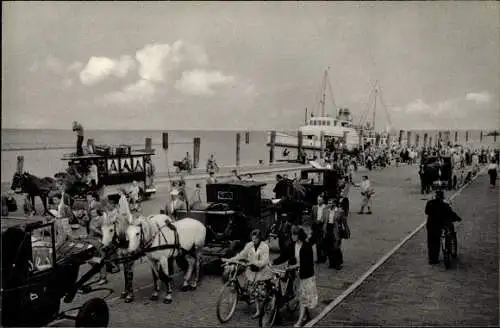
<point>397,211</point>
<point>407,291</point>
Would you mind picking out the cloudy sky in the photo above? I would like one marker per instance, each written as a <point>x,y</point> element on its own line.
<point>188,65</point>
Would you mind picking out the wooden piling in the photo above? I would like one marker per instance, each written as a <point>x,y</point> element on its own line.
<point>299,146</point>
<point>148,145</point>
<point>20,164</point>
<point>196,152</point>
<point>165,140</point>
<point>322,144</point>
<point>272,142</point>
<point>90,145</point>
<point>426,136</point>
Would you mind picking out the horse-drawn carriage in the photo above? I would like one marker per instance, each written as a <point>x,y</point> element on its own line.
<point>436,171</point>
<point>232,211</point>
<point>316,181</point>
<point>118,171</point>
<point>36,274</point>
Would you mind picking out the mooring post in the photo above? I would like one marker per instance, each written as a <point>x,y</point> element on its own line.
<point>148,145</point>
<point>90,145</point>
<point>272,141</point>
<point>196,152</point>
<point>322,144</point>
<point>299,146</point>
<point>238,142</point>
<point>20,164</point>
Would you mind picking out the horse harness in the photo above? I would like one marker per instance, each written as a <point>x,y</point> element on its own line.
<point>146,245</point>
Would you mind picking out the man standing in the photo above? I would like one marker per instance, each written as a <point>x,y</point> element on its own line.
<point>439,215</point>
<point>366,192</point>
<point>318,218</point>
<point>78,128</point>
<point>281,188</point>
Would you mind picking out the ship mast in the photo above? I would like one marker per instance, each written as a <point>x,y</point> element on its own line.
<point>374,106</point>
<point>323,89</point>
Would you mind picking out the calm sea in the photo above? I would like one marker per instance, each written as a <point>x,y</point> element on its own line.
<point>43,149</point>
<point>43,160</point>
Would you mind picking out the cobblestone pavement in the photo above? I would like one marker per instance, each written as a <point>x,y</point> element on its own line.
<point>407,291</point>
<point>397,211</point>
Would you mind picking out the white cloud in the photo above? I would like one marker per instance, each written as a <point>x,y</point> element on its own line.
<point>152,61</point>
<point>200,82</point>
<point>100,68</point>
<point>141,91</point>
<point>418,106</point>
<point>480,98</point>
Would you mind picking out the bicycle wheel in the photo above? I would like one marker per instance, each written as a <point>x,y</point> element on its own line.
<point>292,304</point>
<point>447,253</point>
<point>226,304</point>
<point>269,311</point>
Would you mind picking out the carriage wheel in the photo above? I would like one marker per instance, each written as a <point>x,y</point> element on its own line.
<point>93,313</point>
<point>226,304</point>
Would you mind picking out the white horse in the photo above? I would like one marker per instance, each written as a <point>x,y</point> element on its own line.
<point>184,238</point>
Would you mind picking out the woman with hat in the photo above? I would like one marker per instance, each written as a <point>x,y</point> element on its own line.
<point>258,273</point>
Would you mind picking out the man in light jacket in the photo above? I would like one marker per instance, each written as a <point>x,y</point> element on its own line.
<point>319,215</point>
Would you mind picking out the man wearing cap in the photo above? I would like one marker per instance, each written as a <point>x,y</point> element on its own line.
<point>176,204</point>
<point>440,215</point>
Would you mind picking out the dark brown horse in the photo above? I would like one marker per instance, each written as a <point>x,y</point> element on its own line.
<point>34,186</point>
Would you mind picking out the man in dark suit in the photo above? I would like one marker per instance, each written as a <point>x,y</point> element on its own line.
<point>319,215</point>
<point>440,215</point>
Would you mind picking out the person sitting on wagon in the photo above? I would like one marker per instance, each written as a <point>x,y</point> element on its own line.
<point>176,205</point>
<point>93,178</point>
<point>258,273</point>
<point>134,196</point>
<point>90,209</point>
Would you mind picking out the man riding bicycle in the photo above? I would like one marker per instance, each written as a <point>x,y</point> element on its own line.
<point>440,216</point>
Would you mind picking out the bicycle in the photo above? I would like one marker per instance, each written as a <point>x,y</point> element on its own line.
<point>280,297</point>
<point>448,246</point>
<point>233,286</point>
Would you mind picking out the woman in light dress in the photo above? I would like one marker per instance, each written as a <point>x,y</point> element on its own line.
<point>258,273</point>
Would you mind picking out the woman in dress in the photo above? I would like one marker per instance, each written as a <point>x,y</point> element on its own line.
<point>308,293</point>
<point>258,273</point>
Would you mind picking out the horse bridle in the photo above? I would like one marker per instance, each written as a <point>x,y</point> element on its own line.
<point>145,244</point>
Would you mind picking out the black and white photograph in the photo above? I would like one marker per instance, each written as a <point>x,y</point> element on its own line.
<point>250,164</point>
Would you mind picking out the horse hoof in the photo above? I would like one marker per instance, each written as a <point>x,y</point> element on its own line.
<point>154,297</point>
<point>167,301</point>
<point>129,299</point>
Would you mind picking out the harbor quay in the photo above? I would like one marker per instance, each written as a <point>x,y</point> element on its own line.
<point>406,291</point>
<point>398,208</point>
